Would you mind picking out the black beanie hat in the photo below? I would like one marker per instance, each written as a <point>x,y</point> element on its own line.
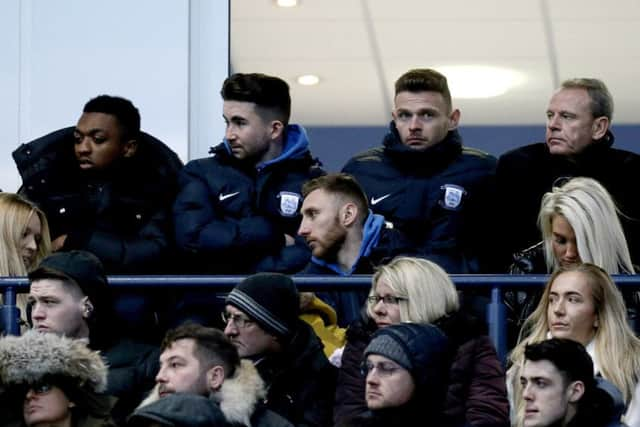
<point>81,266</point>
<point>270,299</point>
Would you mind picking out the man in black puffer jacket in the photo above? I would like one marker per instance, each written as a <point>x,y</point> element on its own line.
<point>105,186</point>
<point>425,182</point>
<point>238,211</point>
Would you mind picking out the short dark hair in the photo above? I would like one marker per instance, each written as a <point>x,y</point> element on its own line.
<point>601,99</point>
<point>568,356</point>
<point>122,109</point>
<point>212,345</point>
<point>342,184</point>
<point>268,92</point>
<point>424,80</point>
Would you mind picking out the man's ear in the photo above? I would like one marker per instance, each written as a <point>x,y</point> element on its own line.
<point>276,129</point>
<point>87,308</point>
<point>454,119</point>
<point>348,214</point>
<point>215,377</point>
<point>599,127</point>
<point>575,391</point>
<point>130,148</point>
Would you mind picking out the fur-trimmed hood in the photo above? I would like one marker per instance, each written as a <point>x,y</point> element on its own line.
<point>33,356</point>
<point>238,397</point>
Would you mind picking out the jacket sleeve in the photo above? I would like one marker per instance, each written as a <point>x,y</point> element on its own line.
<point>289,259</point>
<point>350,389</point>
<point>486,402</point>
<point>200,225</point>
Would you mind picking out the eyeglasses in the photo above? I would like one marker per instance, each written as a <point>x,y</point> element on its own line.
<point>387,299</point>
<point>384,369</point>
<point>40,387</point>
<point>239,320</point>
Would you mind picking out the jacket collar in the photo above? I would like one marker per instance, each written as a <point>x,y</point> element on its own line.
<point>428,160</point>
<point>238,397</point>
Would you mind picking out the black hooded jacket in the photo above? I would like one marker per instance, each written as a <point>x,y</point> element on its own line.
<point>122,215</point>
<point>438,196</point>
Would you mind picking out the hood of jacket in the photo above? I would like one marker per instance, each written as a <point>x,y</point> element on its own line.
<point>370,238</point>
<point>237,399</point>
<point>34,356</point>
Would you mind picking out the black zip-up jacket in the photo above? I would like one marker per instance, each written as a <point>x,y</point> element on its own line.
<point>441,196</point>
<point>301,382</point>
<point>122,215</point>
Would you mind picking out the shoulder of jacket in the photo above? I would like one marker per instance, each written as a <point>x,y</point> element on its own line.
<point>475,152</point>
<point>373,154</point>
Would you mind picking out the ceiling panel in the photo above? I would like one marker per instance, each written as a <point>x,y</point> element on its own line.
<point>266,10</point>
<point>598,11</point>
<point>478,41</point>
<point>423,10</point>
<point>359,48</point>
<point>575,39</point>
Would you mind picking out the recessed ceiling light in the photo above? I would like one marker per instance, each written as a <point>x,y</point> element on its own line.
<point>308,80</point>
<point>287,3</point>
<point>480,81</point>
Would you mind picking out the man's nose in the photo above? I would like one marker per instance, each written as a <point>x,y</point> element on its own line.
<point>304,228</point>
<point>161,377</point>
<point>37,311</point>
<point>84,146</point>
<point>415,122</point>
<point>229,132</point>
<point>552,122</point>
<point>230,329</point>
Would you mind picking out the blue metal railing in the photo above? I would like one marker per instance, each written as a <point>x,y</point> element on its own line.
<point>496,310</point>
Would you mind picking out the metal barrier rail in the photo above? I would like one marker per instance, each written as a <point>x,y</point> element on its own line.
<point>496,310</point>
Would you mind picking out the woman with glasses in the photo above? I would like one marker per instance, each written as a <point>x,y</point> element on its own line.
<point>581,302</point>
<point>50,380</point>
<point>416,290</point>
<point>405,368</point>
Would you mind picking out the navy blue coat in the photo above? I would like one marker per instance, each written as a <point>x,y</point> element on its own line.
<point>441,197</point>
<point>122,215</point>
<point>231,216</point>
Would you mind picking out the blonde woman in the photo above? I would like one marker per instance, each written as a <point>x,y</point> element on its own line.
<point>24,239</point>
<point>579,223</point>
<point>415,290</point>
<point>582,303</point>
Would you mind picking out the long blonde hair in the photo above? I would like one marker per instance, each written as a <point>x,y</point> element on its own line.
<point>590,210</point>
<point>429,291</point>
<point>617,349</point>
<point>15,214</point>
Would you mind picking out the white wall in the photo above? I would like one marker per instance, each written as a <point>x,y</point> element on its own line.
<point>168,56</point>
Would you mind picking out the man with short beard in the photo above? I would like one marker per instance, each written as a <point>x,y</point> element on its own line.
<point>345,236</point>
<point>202,361</point>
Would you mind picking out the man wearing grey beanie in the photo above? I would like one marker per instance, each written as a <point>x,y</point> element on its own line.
<point>406,367</point>
<point>261,318</point>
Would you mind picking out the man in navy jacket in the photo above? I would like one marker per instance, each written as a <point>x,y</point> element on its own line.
<point>345,237</point>
<point>425,182</point>
<point>237,211</point>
